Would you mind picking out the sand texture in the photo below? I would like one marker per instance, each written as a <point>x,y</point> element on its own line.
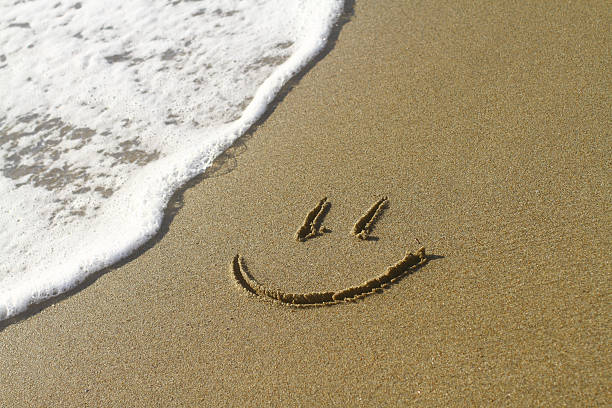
<point>486,125</point>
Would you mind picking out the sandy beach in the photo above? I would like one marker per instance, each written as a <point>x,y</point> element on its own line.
<point>487,126</point>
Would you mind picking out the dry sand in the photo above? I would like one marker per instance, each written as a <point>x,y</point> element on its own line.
<point>488,127</point>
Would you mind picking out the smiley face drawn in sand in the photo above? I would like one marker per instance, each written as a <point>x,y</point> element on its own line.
<point>312,228</point>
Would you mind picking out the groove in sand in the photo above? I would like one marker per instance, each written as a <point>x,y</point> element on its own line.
<point>364,225</point>
<point>247,281</point>
<point>312,224</point>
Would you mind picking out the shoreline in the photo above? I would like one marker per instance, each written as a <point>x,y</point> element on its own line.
<point>60,272</point>
<point>485,126</point>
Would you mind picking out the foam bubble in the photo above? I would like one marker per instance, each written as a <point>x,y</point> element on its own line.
<point>108,107</point>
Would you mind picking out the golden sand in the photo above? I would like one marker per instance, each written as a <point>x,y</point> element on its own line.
<point>487,124</point>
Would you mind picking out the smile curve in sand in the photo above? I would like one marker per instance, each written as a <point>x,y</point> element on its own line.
<point>311,228</point>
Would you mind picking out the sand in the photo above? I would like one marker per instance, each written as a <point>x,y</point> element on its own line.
<point>487,126</point>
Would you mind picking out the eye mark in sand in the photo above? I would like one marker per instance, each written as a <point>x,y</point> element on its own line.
<point>409,263</point>
<point>312,224</point>
<point>364,225</point>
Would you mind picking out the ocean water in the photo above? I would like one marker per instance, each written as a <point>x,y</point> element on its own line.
<point>107,107</point>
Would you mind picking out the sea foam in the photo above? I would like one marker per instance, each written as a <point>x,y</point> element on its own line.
<point>107,107</point>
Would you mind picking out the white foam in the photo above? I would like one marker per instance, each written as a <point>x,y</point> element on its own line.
<point>108,107</point>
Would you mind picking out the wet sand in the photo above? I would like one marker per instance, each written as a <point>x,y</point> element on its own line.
<point>487,126</point>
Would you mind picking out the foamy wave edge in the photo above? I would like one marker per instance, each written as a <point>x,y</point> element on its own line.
<point>162,180</point>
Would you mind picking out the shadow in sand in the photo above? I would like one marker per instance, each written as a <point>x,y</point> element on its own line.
<point>223,164</point>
